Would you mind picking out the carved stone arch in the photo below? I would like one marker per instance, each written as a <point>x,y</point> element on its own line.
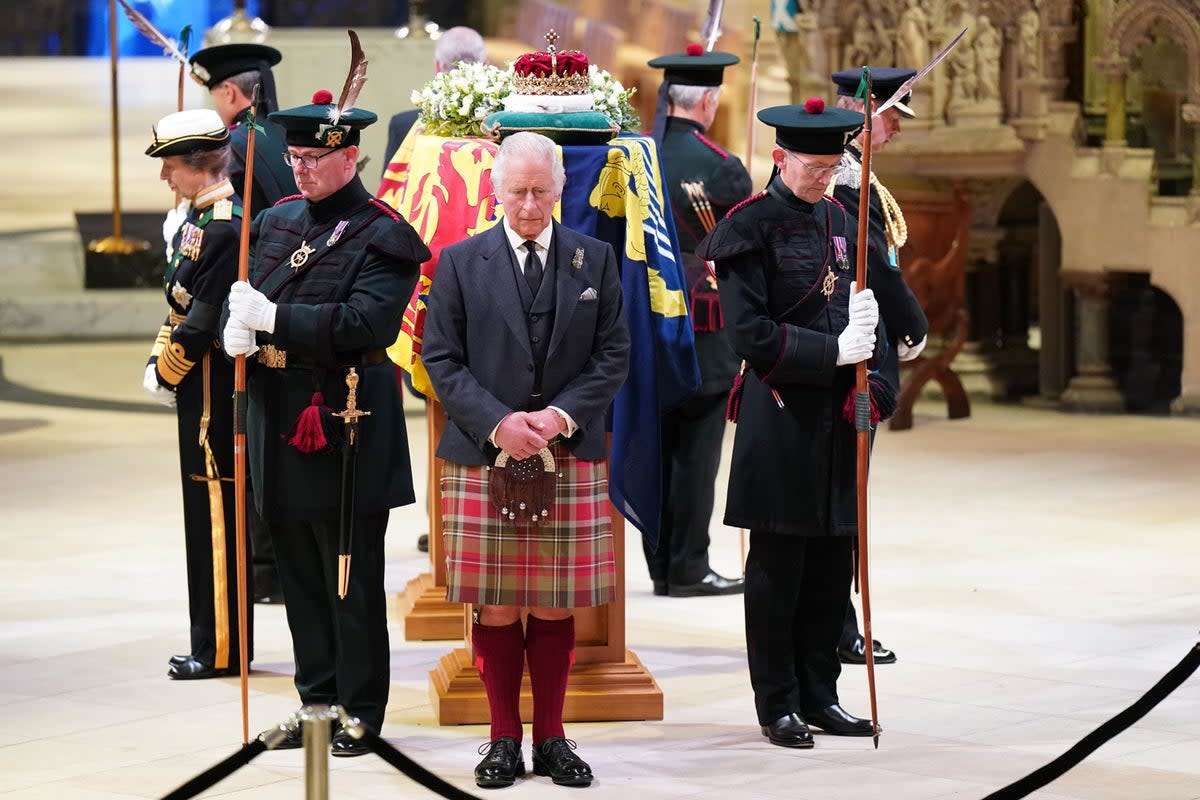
<point>1133,24</point>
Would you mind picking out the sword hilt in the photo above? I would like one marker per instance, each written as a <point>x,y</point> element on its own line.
<point>352,412</point>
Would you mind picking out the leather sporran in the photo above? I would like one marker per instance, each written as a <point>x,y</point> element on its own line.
<point>523,491</point>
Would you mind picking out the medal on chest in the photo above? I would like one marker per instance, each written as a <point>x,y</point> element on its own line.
<point>337,233</point>
<point>829,284</point>
<point>189,241</point>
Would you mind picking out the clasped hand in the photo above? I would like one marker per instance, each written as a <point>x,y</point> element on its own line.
<point>523,433</point>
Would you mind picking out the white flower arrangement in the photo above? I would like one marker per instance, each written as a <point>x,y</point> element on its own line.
<point>456,102</point>
<point>613,99</point>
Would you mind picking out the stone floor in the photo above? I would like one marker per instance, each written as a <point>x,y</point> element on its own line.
<point>1036,573</point>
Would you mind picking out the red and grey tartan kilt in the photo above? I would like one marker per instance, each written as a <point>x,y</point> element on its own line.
<point>567,562</point>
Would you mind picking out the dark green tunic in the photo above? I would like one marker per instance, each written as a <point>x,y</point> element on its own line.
<point>340,308</point>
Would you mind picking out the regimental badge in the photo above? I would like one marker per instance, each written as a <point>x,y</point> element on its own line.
<point>300,257</point>
<point>577,259</point>
<point>829,283</point>
<point>337,233</point>
<point>181,295</point>
<point>223,210</point>
<point>189,241</point>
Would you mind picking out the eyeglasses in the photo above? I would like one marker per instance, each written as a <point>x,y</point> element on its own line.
<point>309,162</point>
<point>816,172</point>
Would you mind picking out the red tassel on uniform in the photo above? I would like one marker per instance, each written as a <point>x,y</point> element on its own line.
<point>308,434</point>
<point>733,406</point>
<point>881,396</point>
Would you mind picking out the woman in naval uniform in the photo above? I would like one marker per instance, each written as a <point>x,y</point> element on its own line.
<point>185,372</point>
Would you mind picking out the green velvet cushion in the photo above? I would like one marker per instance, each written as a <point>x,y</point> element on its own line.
<point>577,127</point>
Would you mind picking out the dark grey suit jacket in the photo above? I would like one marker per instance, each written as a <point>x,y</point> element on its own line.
<point>476,342</point>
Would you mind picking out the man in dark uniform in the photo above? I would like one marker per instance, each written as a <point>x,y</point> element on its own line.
<point>187,371</point>
<point>457,45</point>
<point>904,323</point>
<point>526,345</point>
<point>784,263</point>
<point>331,271</point>
<point>704,181</point>
<point>230,72</point>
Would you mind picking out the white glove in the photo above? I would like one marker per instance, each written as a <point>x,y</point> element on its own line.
<point>156,390</point>
<point>855,344</point>
<point>173,222</point>
<point>251,307</point>
<point>906,353</point>
<point>864,309</point>
<point>238,339</point>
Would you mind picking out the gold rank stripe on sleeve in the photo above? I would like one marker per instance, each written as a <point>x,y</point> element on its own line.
<point>173,365</point>
<point>160,341</point>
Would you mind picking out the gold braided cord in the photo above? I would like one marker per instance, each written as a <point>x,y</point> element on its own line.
<point>893,217</point>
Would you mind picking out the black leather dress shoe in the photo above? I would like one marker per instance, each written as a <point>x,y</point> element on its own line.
<point>192,669</point>
<point>556,757</point>
<point>293,741</point>
<point>343,745</point>
<point>660,588</point>
<point>502,764</point>
<point>836,721</point>
<point>710,584</point>
<point>856,653</point>
<point>423,543</point>
<point>789,731</point>
<point>178,660</point>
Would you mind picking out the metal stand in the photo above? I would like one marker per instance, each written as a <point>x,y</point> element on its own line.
<point>316,721</point>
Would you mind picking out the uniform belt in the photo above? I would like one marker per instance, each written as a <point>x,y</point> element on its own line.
<point>271,356</point>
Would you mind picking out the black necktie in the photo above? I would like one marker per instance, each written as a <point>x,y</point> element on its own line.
<point>533,267</point>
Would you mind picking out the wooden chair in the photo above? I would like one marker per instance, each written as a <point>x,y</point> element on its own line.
<point>934,262</point>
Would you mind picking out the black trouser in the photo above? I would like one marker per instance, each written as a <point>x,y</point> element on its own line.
<point>212,594</point>
<point>849,626</point>
<point>340,645</point>
<point>691,447</point>
<point>796,596</point>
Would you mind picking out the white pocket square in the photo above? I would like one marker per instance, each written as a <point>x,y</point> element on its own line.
<point>588,294</point>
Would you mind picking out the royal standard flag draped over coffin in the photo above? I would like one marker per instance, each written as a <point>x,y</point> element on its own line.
<point>614,193</point>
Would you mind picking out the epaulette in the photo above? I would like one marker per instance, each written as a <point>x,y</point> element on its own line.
<point>287,199</point>
<point>716,148</point>
<point>746,202</point>
<point>391,212</point>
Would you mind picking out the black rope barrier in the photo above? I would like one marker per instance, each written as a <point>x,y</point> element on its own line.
<point>412,769</point>
<point>1090,743</point>
<point>215,774</point>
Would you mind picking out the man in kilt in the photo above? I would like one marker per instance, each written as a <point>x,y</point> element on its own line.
<point>526,345</point>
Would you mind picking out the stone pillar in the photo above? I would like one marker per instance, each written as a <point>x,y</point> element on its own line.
<point>984,333</point>
<point>1093,388</point>
<point>1191,115</point>
<point>1052,354</point>
<point>1114,68</point>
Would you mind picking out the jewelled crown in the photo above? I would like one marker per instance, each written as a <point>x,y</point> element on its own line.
<point>550,72</point>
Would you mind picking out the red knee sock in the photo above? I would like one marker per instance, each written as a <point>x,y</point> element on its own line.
<point>500,659</point>
<point>550,645</point>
